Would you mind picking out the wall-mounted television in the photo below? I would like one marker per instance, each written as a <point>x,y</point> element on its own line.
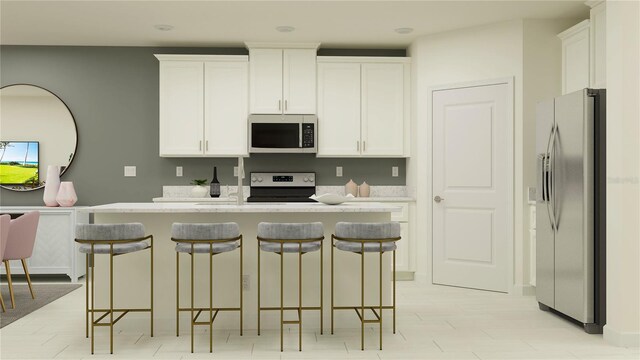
<point>19,163</point>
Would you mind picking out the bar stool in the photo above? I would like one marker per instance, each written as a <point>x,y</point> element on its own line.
<point>361,238</point>
<point>114,240</point>
<point>299,238</point>
<point>211,239</point>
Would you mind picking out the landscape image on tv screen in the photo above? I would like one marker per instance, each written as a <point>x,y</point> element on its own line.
<point>19,163</point>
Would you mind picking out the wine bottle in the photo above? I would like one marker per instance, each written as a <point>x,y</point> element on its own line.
<point>214,189</point>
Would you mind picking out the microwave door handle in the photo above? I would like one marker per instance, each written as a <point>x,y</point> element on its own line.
<point>300,134</point>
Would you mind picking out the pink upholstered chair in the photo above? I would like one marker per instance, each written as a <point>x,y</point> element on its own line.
<point>5,220</point>
<point>20,242</point>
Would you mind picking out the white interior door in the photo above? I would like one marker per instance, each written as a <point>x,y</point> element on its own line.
<point>472,174</point>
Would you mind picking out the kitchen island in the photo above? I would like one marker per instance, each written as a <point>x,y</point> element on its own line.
<point>131,271</point>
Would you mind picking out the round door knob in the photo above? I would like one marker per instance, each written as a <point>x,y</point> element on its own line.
<point>438,199</point>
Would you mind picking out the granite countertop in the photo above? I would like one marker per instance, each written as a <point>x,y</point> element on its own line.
<point>233,199</point>
<point>245,208</point>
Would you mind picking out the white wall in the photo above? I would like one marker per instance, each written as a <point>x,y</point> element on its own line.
<point>623,173</point>
<point>528,51</point>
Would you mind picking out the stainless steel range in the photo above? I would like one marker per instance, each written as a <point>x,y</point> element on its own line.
<point>282,187</point>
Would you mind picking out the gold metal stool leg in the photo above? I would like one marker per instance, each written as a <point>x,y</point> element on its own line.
<point>281,297</point>
<point>332,256</point>
<point>300,297</point>
<point>86,285</point>
<point>241,289</point>
<point>321,287</point>
<point>380,304</point>
<point>258,287</point>
<point>177,294</point>
<point>210,297</point>
<point>93,293</point>
<point>111,300</point>
<point>362,298</point>
<point>394,291</point>
<point>191,320</point>
<point>151,297</point>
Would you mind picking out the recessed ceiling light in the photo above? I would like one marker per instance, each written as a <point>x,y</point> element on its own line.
<point>163,27</point>
<point>285,29</point>
<point>404,30</point>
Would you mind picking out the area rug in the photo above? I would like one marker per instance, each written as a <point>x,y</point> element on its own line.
<point>45,293</point>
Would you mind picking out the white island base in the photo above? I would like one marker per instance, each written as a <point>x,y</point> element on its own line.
<point>131,271</point>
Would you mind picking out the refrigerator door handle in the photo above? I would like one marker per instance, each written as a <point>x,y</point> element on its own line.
<point>551,186</point>
<point>548,172</point>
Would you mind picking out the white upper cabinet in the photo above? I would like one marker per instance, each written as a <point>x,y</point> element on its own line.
<point>203,105</point>
<point>598,35</point>
<point>181,107</point>
<point>338,109</point>
<point>282,81</point>
<point>383,109</point>
<point>225,108</point>
<point>575,57</point>
<point>265,69</point>
<point>363,107</point>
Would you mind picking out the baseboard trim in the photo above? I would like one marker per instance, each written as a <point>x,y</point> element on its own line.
<point>421,278</point>
<point>524,290</point>
<point>404,275</point>
<point>621,338</point>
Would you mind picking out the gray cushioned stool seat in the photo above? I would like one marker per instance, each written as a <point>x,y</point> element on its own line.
<point>106,232</point>
<point>205,231</point>
<point>290,231</point>
<point>366,231</point>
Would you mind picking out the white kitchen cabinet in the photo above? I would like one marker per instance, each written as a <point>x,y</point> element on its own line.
<point>339,109</point>
<point>363,107</point>
<point>282,81</point>
<point>575,57</point>
<point>203,105</point>
<point>597,35</point>
<point>405,244</point>
<point>55,250</point>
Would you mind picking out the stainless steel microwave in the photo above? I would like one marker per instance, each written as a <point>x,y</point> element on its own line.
<point>283,133</point>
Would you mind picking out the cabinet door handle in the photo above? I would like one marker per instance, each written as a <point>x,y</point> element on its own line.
<point>279,104</point>
<point>200,146</point>
<point>358,145</point>
<point>285,105</point>
<point>364,146</point>
<point>207,145</point>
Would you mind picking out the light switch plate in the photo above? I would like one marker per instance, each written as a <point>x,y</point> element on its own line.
<point>394,171</point>
<point>129,171</point>
<point>179,171</point>
<point>339,171</point>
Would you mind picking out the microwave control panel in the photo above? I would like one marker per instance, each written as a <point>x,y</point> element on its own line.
<point>308,137</point>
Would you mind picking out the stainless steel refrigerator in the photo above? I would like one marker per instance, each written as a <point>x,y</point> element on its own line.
<point>570,207</point>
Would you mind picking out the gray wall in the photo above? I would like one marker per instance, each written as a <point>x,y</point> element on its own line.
<point>113,95</point>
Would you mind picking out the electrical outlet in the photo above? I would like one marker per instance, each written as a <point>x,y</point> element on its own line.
<point>394,171</point>
<point>339,171</point>
<point>245,283</point>
<point>178,171</point>
<point>235,171</point>
<point>129,171</point>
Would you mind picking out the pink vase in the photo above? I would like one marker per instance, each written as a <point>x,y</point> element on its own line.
<point>67,194</point>
<point>51,185</point>
<point>364,189</point>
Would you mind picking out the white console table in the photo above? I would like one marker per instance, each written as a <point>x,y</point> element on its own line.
<point>55,250</point>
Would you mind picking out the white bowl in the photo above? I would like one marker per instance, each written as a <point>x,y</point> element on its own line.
<point>331,199</point>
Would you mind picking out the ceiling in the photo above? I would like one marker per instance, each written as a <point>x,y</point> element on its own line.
<point>337,24</point>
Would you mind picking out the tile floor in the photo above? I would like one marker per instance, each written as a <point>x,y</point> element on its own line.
<point>434,322</point>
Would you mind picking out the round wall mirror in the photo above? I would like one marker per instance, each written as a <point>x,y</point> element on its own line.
<point>37,129</point>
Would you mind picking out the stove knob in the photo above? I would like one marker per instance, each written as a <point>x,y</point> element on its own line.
<point>253,179</point>
<point>305,179</point>
<point>311,178</point>
<point>259,179</point>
